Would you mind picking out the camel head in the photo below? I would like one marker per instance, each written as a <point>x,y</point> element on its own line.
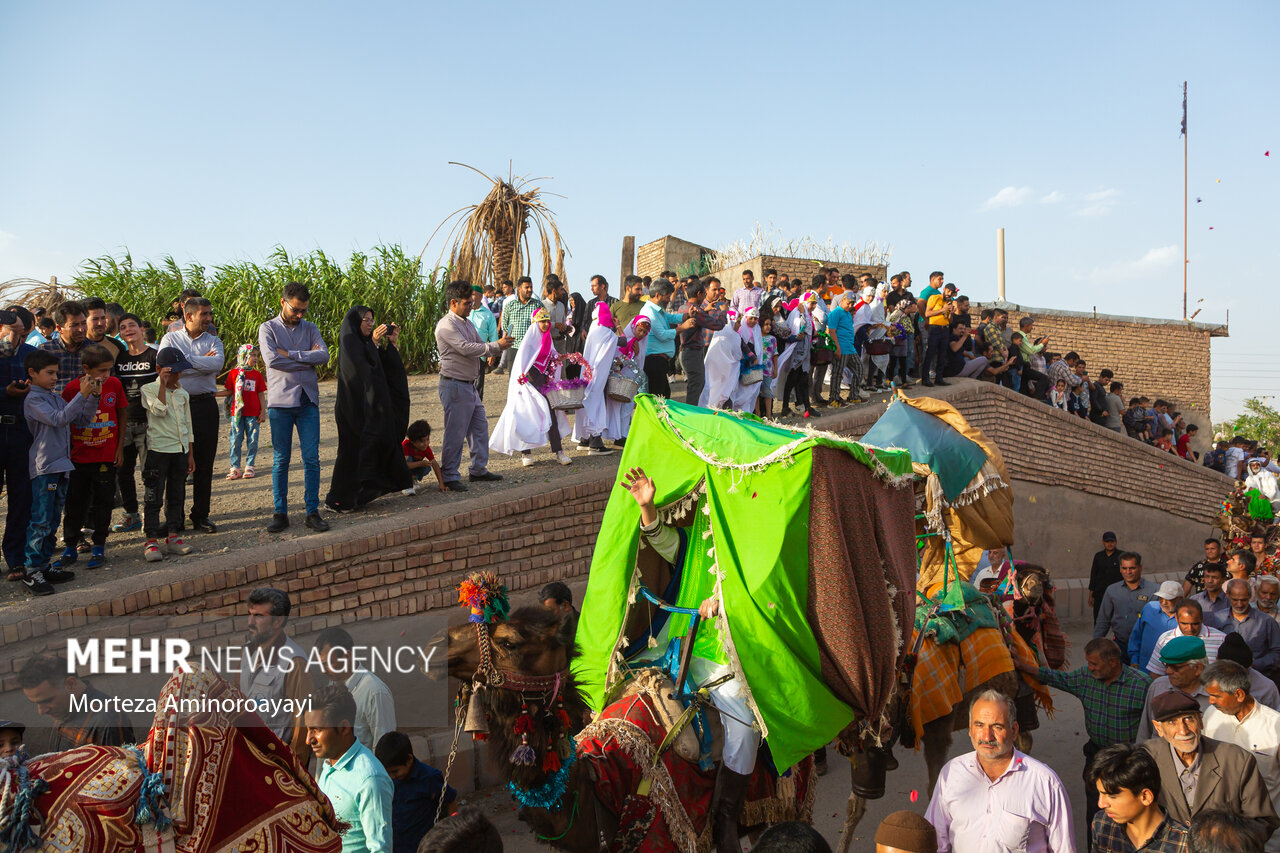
<point>533,641</point>
<point>1032,582</point>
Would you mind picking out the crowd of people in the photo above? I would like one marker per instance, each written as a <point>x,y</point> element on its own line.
<point>98,399</point>
<point>348,738</point>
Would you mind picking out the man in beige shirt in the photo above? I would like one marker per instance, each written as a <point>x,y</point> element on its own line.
<point>464,417</point>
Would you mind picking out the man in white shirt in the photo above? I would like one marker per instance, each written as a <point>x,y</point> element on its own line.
<point>1236,717</point>
<point>375,708</point>
<point>997,798</point>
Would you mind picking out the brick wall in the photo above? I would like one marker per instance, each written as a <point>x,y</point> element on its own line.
<point>667,253</point>
<point>528,541</point>
<point>649,259</point>
<point>1045,445</point>
<point>1154,358</point>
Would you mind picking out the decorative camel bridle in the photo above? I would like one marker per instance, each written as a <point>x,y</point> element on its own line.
<point>486,597</point>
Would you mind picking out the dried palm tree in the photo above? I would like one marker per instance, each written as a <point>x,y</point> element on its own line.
<point>33,293</point>
<point>492,237</point>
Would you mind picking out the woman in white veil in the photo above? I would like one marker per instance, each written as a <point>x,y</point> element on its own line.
<point>634,346</point>
<point>722,365</point>
<point>877,330</point>
<point>600,347</point>
<point>744,396</point>
<point>527,421</point>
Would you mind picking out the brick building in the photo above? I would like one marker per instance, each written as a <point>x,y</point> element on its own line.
<point>1154,358</point>
<point>671,253</point>
<point>685,258</point>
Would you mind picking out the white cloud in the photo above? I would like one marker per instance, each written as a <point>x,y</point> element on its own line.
<point>1008,197</point>
<point>1053,198</point>
<point>1099,203</point>
<point>1154,261</point>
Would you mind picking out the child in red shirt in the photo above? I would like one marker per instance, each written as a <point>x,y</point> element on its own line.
<point>96,450</point>
<point>418,456</point>
<point>247,389</point>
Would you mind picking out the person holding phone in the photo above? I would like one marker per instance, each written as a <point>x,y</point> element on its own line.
<point>15,438</point>
<point>48,418</point>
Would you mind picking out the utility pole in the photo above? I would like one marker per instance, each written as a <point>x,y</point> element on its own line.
<point>1185,258</point>
<point>628,258</point>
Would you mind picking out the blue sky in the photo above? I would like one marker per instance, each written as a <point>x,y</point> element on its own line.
<point>215,132</point>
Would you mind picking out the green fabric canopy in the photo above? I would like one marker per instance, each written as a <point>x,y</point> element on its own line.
<point>757,480</point>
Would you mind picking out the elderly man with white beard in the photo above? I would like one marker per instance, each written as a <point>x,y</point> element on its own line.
<point>1199,774</point>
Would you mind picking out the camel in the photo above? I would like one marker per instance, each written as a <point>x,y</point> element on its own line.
<point>530,652</point>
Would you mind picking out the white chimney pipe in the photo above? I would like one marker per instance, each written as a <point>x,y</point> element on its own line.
<point>1000,264</point>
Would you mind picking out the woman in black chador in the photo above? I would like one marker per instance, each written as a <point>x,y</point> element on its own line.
<point>372,413</point>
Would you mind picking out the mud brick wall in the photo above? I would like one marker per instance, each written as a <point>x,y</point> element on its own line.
<point>528,541</point>
<point>1044,445</point>
<point>1166,359</point>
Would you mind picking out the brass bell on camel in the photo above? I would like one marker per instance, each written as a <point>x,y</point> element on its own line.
<point>477,720</point>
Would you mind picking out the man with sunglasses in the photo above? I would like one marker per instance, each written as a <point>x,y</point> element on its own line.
<point>292,349</point>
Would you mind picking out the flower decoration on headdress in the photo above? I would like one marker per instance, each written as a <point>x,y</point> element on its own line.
<point>809,296</point>
<point>540,315</point>
<point>486,596</point>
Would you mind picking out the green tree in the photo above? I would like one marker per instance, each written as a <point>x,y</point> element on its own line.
<point>1258,421</point>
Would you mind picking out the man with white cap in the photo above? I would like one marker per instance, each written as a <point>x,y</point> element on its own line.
<point>1157,617</point>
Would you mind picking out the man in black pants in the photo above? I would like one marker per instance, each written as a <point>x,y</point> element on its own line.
<point>204,352</point>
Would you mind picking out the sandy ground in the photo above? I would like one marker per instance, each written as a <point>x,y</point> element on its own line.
<point>242,508</point>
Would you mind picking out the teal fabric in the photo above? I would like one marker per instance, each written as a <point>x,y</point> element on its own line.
<point>954,458</point>
<point>952,626</point>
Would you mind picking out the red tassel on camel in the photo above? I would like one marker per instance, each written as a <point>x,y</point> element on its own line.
<point>550,762</point>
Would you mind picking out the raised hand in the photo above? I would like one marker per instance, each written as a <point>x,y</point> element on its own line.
<point>641,487</point>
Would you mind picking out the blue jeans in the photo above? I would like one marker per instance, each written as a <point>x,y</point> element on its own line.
<point>244,430</point>
<point>48,496</point>
<point>306,418</point>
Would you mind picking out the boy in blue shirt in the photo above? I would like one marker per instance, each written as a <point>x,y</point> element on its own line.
<point>49,419</point>
<point>417,792</point>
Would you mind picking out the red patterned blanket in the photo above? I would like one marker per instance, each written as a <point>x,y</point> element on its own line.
<point>620,746</point>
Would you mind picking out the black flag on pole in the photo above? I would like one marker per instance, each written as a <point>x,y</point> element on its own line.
<point>1184,109</point>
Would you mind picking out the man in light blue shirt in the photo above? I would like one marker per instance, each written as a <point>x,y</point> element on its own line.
<point>661,348</point>
<point>840,330</point>
<point>351,777</point>
<point>204,351</point>
<point>487,326</point>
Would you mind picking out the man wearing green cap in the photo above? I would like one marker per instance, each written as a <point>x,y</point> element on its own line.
<point>1184,660</point>
<point>487,327</point>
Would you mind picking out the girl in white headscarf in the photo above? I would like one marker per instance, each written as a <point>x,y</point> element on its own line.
<point>634,346</point>
<point>527,421</point>
<point>722,365</point>
<point>877,330</point>
<point>744,396</point>
<point>1264,481</point>
<point>599,348</point>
